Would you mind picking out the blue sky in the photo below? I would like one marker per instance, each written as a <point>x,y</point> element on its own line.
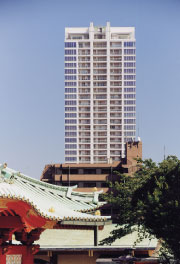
<point>32,74</point>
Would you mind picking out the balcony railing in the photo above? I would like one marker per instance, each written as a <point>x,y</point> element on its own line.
<point>84,65</point>
<point>115,134</point>
<point>100,127</point>
<point>100,45</point>
<point>115,96</point>
<point>99,65</point>
<point>100,109</point>
<point>118,121</point>
<point>115,65</point>
<point>118,58</point>
<point>84,52</point>
<point>115,77</point>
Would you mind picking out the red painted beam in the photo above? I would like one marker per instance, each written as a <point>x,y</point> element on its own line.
<point>10,222</point>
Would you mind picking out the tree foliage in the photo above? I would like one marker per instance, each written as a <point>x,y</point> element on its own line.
<point>149,201</point>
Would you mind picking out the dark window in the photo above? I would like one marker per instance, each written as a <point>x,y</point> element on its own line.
<point>89,184</point>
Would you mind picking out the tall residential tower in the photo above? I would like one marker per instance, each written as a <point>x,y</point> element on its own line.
<point>100,91</point>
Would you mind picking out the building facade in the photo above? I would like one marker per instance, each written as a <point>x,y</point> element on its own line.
<point>100,91</point>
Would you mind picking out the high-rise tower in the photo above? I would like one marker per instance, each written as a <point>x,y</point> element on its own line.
<point>100,91</point>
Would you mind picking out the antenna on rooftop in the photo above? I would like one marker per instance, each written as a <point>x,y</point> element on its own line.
<point>164,152</point>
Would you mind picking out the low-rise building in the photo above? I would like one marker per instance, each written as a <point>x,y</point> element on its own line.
<point>88,176</point>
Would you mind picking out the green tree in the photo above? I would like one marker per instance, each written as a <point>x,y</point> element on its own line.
<point>149,201</point>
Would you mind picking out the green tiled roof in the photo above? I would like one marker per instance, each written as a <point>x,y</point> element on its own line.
<point>50,201</point>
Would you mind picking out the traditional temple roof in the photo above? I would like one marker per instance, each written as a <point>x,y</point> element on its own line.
<point>50,201</point>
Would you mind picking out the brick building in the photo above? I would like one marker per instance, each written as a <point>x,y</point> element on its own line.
<point>88,176</point>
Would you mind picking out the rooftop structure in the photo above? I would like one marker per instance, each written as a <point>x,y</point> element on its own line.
<point>100,91</point>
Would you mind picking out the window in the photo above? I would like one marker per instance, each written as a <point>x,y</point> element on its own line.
<point>70,102</point>
<point>70,96</point>
<point>70,128</point>
<point>70,109</point>
<point>129,108</point>
<point>129,121</point>
<point>129,83</point>
<point>104,184</point>
<point>70,65</point>
<point>129,134</point>
<point>129,102</point>
<point>70,77</point>
<point>129,44</point>
<point>129,51</point>
<point>129,64</point>
<point>70,71</point>
<point>70,121</point>
<point>70,134</point>
<point>130,96</point>
<point>129,127</point>
<point>129,90</point>
<point>89,184</point>
<point>70,83</point>
<point>129,114</point>
<point>71,159</point>
<point>70,152</point>
<point>70,52</point>
<point>129,70</point>
<point>70,44</point>
<point>129,77</point>
<point>70,58</point>
<point>70,146</point>
<point>129,58</point>
<point>70,90</point>
<point>70,115</point>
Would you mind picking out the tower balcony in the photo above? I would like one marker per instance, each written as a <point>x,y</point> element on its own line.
<point>115,58</point>
<point>115,65</point>
<point>116,44</point>
<point>99,65</point>
<point>99,45</point>
<point>100,127</point>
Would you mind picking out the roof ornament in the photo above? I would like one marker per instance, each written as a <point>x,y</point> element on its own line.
<point>96,196</point>
<point>5,176</point>
<point>69,191</point>
<point>51,209</point>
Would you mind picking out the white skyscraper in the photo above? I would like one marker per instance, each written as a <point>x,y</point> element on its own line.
<point>100,91</point>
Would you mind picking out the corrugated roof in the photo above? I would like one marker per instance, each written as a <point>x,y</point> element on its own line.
<point>50,201</point>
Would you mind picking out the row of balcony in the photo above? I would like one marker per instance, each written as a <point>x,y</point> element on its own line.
<point>100,134</point>
<point>100,45</point>
<point>100,109</point>
<point>99,72</point>
<point>99,65</point>
<point>99,96</point>
<point>99,52</point>
<point>98,78</point>
<point>99,121</point>
<point>97,84</point>
<point>99,90</point>
<point>100,127</point>
<point>100,140</point>
<point>100,115</point>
